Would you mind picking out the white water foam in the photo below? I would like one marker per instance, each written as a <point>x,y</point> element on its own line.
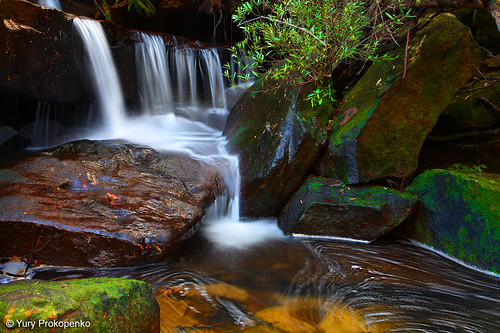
<point>174,118</point>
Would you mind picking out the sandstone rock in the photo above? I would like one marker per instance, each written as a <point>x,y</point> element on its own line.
<point>278,136</point>
<point>384,120</point>
<point>460,216</point>
<point>97,305</point>
<point>327,207</point>
<point>101,204</point>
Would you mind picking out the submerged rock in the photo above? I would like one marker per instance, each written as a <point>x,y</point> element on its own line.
<point>90,305</point>
<point>384,120</point>
<point>327,207</point>
<point>278,136</point>
<point>101,204</point>
<point>460,216</point>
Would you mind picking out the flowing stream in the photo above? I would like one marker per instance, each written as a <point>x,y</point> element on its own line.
<point>246,276</point>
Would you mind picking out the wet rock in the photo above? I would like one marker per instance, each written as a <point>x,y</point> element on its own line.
<point>284,320</point>
<point>460,215</point>
<point>15,267</point>
<point>344,320</point>
<point>96,305</point>
<point>100,204</point>
<point>36,51</point>
<point>327,207</point>
<point>384,120</point>
<point>278,136</point>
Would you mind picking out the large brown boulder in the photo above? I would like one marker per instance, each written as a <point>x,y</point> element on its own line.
<point>277,136</point>
<point>100,204</point>
<point>384,119</point>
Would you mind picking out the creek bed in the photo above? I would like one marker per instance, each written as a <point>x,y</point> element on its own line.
<point>293,284</point>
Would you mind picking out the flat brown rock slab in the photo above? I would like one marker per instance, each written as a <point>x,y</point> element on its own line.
<point>102,204</point>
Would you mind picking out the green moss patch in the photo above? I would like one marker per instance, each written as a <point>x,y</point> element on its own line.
<point>100,305</point>
<point>460,216</point>
<point>328,207</point>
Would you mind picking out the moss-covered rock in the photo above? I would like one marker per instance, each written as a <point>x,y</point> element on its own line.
<point>327,207</point>
<point>90,305</point>
<point>385,119</point>
<point>278,136</point>
<point>460,215</point>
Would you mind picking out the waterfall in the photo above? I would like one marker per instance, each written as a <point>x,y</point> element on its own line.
<point>153,75</point>
<point>176,116</point>
<point>189,135</point>
<point>50,3</point>
<point>104,74</point>
<point>214,76</point>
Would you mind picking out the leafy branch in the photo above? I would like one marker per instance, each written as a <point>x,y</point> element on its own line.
<point>296,42</point>
<point>142,7</point>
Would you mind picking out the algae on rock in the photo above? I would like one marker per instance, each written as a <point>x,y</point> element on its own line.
<point>460,215</point>
<point>328,207</point>
<point>101,305</point>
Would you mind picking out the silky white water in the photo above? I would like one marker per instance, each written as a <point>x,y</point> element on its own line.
<point>50,3</point>
<point>183,104</point>
<point>105,77</point>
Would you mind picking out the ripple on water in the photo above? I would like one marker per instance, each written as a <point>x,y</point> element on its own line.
<point>304,285</point>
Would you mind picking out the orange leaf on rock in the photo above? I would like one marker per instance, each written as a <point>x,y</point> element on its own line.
<point>348,114</point>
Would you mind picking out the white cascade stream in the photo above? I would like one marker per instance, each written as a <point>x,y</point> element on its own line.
<point>50,3</point>
<point>174,117</point>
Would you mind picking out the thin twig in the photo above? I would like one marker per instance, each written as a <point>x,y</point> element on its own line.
<point>406,51</point>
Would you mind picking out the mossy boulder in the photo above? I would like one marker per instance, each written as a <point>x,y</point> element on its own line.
<point>460,215</point>
<point>95,305</point>
<point>328,207</point>
<point>278,136</point>
<point>384,119</point>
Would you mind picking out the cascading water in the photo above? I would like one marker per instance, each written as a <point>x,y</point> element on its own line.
<point>104,74</point>
<point>50,3</point>
<point>176,124</point>
<point>153,75</point>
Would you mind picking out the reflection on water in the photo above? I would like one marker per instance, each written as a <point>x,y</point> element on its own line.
<point>314,285</point>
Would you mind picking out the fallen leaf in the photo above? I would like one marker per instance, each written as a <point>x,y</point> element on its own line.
<point>348,114</point>
<point>112,196</point>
